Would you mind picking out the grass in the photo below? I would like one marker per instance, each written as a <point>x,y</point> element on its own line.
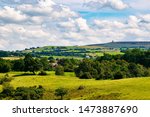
<point>115,53</point>
<point>133,88</point>
<point>12,58</point>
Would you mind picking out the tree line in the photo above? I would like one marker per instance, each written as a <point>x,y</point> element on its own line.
<point>33,65</point>
<point>134,63</point>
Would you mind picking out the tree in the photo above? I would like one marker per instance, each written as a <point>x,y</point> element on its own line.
<point>59,70</point>
<point>119,75</point>
<point>51,59</point>
<point>29,93</point>
<point>86,75</point>
<point>7,90</point>
<point>61,92</point>
<point>32,64</point>
<point>18,65</point>
<point>45,63</point>
<point>5,66</point>
<point>68,64</point>
<point>136,70</point>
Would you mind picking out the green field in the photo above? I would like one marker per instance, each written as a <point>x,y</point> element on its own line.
<point>133,88</point>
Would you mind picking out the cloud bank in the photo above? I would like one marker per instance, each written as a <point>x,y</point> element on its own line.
<point>113,4</point>
<point>25,25</point>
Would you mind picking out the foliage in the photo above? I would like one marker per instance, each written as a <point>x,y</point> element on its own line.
<point>42,73</point>
<point>18,65</point>
<point>59,70</point>
<point>138,56</point>
<point>7,91</point>
<point>32,64</point>
<point>45,64</point>
<point>31,93</point>
<point>68,64</point>
<point>5,66</point>
<point>5,79</point>
<point>61,92</point>
<point>22,93</point>
<point>109,69</point>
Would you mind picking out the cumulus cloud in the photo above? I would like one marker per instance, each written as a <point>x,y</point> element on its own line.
<point>8,14</point>
<point>113,4</point>
<point>47,23</point>
<point>133,29</point>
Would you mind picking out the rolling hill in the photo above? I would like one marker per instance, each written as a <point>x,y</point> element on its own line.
<point>127,44</point>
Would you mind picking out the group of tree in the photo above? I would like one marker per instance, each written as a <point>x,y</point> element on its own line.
<point>22,93</point>
<point>113,69</point>
<point>134,63</point>
<point>136,56</point>
<point>69,65</point>
<point>29,63</point>
<point>5,66</point>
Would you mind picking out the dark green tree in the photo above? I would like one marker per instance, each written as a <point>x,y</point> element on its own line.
<point>5,66</point>
<point>45,64</point>
<point>32,64</point>
<point>18,65</point>
<point>59,70</point>
<point>61,92</point>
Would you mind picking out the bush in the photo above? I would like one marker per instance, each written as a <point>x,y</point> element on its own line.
<point>7,91</point>
<point>5,67</point>
<point>119,75</point>
<point>22,93</point>
<point>31,93</point>
<point>59,70</point>
<point>61,92</point>
<point>81,87</point>
<point>42,73</point>
<point>6,78</point>
<point>86,75</point>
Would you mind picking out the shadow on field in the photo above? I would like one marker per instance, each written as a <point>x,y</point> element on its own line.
<point>111,96</point>
<point>24,74</point>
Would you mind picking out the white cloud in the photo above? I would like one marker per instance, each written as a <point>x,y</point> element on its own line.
<point>99,4</point>
<point>47,23</point>
<point>133,29</point>
<point>145,18</point>
<point>9,14</point>
<point>139,4</point>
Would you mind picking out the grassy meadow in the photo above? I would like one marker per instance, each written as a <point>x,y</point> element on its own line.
<point>133,88</point>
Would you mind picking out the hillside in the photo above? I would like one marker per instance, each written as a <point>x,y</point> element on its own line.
<point>133,88</point>
<point>78,52</point>
<point>130,44</point>
<point>70,51</point>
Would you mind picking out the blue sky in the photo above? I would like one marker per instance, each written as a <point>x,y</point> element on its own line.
<point>32,23</point>
<point>135,7</point>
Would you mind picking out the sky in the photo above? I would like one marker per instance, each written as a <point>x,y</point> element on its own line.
<point>37,23</point>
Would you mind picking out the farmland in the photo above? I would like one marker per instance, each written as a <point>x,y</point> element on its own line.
<point>133,88</point>
<point>82,73</point>
<point>77,52</point>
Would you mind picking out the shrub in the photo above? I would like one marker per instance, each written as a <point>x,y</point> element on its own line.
<point>5,67</point>
<point>42,73</point>
<point>61,92</point>
<point>81,87</point>
<point>31,93</point>
<point>59,70</point>
<point>6,78</point>
<point>119,75</point>
<point>86,75</point>
<point>7,91</point>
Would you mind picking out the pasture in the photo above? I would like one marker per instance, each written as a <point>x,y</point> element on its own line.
<point>80,89</point>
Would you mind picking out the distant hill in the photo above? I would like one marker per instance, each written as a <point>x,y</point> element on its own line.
<point>127,44</point>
